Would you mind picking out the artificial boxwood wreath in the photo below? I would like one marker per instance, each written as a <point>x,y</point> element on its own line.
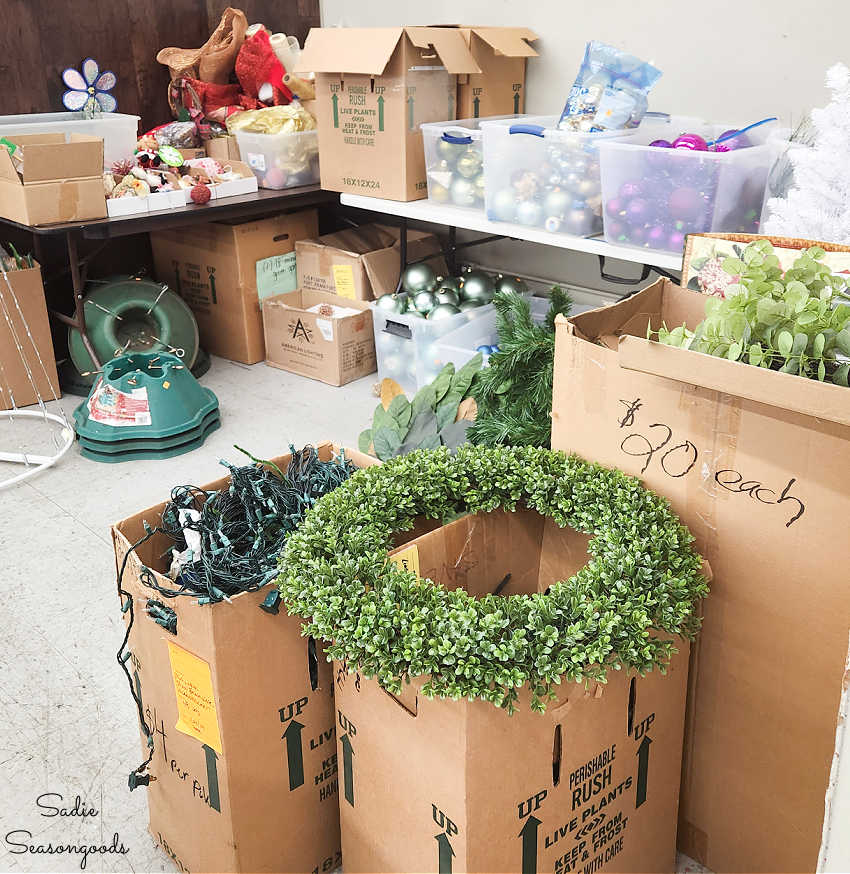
<point>640,586</point>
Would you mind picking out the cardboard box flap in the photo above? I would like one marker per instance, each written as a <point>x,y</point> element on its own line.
<point>49,156</point>
<point>359,241</point>
<point>449,44</point>
<point>509,41</point>
<point>7,168</point>
<point>365,50</point>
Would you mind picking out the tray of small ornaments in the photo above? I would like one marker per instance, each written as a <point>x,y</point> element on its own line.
<point>160,178</point>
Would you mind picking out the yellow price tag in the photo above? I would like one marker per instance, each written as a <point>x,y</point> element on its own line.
<point>344,280</point>
<point>407,559</point>
<point>193,687</point>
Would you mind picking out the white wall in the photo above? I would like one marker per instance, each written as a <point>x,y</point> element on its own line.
<point>724,60</point>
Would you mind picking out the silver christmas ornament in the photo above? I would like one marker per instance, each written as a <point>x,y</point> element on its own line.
<point>392,303</point>
<point>447,295</point>
<point>529,213</point>
<point>418,277</point>
<point>462,191</point>
<point>452,282</point>
<point>477,285</point>
<point>511,284</point>
<point>469,163</point>
<point>556,202</point>
<point>503,206</point>
<point>424,301</point>
<point>468,305</point>
<point>448,151</point>
<point>443,311</point>
<point>478,183</point>
<point>552,224</point>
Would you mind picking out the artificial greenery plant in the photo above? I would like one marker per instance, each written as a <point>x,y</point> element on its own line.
<point>514,394</point>
<point>794,322</point>
<point>622,609</point>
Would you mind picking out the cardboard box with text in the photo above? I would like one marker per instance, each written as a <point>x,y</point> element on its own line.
<point>441,785</point>
<point>303,339</point>
<point>60,181</point>
<point>249,782</point>
<point>755,463</point>
<point>224,270</point>
<point>374,88</point>
<point>499,89</point>
<point>362,263</point>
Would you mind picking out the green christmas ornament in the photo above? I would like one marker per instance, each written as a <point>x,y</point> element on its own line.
<point>469,163</point>
<point>443,311</point>
<point>392,303</point>
<point>452,282</point>
<point>478,184</point>
<point>425,301</point>
<point>439,193</point>
<point>468,305</point>
<point>477,285</point>
<point>448,295</point>
<point>418,277</point>
<point>415,314</point>
<point>462,191</point>
<point>511,283</point>
<point>448,151</point>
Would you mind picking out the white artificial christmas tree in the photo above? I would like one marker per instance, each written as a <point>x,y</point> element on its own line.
<point>817,205</point>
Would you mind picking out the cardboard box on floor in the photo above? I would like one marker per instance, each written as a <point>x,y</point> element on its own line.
<point>333,350</point>
<point>755,462</point>
<point>253,786</point>
<point>374,88</point>
<point>442,785</point>
<point>362,263</point>
<point>62,181</point>
<point>24,296</point>
<point>499,89</point>
<point>224,270</point>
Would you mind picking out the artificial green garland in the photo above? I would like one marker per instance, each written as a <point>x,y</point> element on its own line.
<point>639,588</point>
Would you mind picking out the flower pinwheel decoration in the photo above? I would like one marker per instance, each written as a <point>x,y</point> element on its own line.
<point>89,89</point>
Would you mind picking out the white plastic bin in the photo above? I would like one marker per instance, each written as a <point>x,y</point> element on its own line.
<point>539,176</point>
<point>120,132</point>
<point>454,160</point>
<point>654,196</point>
<point>406,346</point>
<point>281,160</point>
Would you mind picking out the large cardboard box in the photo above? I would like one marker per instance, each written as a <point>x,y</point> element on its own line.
<point>251,784</point>
<point>442,785</point>
<point>374,88</point>
<point>323,336</point>
<point>755,463</point>
<point>499,89</point>
<point>362,263</point>
<point>224,270</point>
<point>23,378</point>
<point>60,181</point>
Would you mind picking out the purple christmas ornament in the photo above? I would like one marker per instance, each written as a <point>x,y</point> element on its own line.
<point>656,237</point>
<point>628,190</point>
<point>637,236</point>
<point>685,204</point>
<point>740,142</point>
<point>615,230</point>
<point>676,241</point>
<point>614,207</point>
<point>662,144</point>
<point>692,142</point>
<point>637,211</point>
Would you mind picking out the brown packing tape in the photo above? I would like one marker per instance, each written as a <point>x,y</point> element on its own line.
<point>69,198</point>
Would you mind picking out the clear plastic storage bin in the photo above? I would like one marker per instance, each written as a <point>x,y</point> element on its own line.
<point>542,177</point>
<point>454,160</point>
<point>406,346</point>
<point>120,132</point>
<point>281,160</point>
<point>654,196</point>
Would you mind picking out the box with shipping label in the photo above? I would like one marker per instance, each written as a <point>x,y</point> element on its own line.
<point>374,87</point>
<point>590,785</point>
<point>52,179</point>
<point>257,749</point>
<point>323,336</point>
<point>22,299</point>
<point>362,263</point>
<point>755,463</point>
<point>224,270</point>
<point>499,89</point>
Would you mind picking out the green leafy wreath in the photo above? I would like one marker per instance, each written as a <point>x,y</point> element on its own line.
<point>639,588</point>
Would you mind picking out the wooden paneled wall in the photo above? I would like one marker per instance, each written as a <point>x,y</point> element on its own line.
<point>40,38</point>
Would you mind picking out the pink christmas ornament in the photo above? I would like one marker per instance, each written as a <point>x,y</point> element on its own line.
<point>656,237</point>
<point>614,207</point>
<point>676,241</point>
<point>692,142</point>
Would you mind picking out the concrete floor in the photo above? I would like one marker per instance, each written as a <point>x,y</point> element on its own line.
<point>67,722</point>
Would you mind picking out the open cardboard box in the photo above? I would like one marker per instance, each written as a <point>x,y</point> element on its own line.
<point>374,88</point>
<point>755,463</point>
<point>261,750</point>
<point>60,182</point>
<point>362,263</point>
<point>467,787</point>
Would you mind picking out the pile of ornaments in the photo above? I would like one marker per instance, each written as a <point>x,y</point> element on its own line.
<point>673,192</point>
<point>424,295</point>
<point>561,193</point>
<point>456,172</point>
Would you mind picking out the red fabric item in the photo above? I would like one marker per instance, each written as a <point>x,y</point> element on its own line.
<point>257,64</point>
<point>208,100</point>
